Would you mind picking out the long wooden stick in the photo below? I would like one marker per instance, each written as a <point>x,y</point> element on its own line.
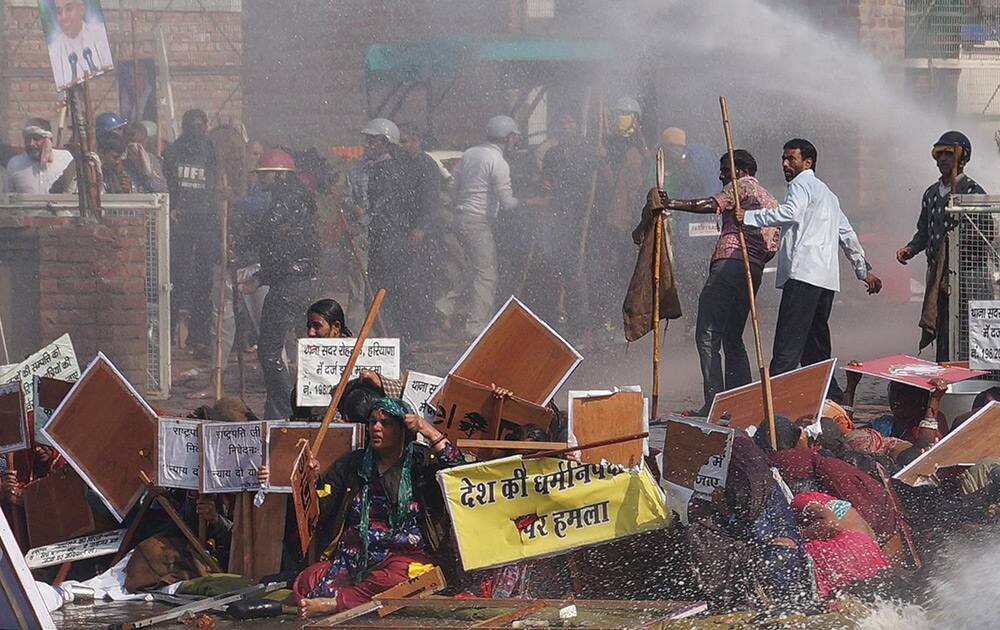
<point>346,376</point>
<point>237,337</point>
<point>581,267</point>
<point>220,313</point>
<point>584,447</point>
<point>765,376</point>
<point>658,244</point>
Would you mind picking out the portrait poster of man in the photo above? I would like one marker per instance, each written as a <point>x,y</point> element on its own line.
<point>147,90</point>
<point>77,40</point>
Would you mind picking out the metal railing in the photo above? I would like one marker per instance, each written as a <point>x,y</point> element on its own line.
<point>943,28</point>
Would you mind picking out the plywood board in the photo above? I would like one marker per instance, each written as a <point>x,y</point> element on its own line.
<point>470,410</point>
<point>107,432</point>
<point>974,440</point>
<point>283,446</point>
<point>798,395</point>
<point>519,352</point>
<point>56,508</point>
<point>49,392</point>
<point>267,530</point>
<point>596,416</point>
<point>909,370</point>
<point>13,420</point>
<point>696,455</point>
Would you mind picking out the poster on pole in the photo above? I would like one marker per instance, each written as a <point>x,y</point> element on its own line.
<point>984,334</point>
<point>322,361</point>
<point>178,453</point>
<point>231,455</point>
<point>56,360</point>
<point>418,389</point>
<point>77,39</point>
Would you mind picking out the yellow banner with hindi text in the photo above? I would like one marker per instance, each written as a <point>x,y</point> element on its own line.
<point>510,509</point>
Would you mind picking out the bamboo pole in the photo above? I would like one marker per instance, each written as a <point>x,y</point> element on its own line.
<point>658,245</point>
<point>237,337</point>
<point>346,376</point>
<point>135,68</point>
<point>221,305</point>
<point>581,268</point>
<point>765,376</point>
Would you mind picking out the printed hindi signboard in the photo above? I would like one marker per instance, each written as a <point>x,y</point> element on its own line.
<point>696,455</point>
<point>418,390</point>
<point>92,546</point>
<point>545,506</point>
<point>912,371</point>
<point>178,453</point>
<point>984,334</point>
<point>322,361</point>
<point>56,360</point>
<point>231,455</point>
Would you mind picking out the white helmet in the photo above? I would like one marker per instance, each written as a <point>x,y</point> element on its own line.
<point>499,127</point>
<point>382,127</point>
<point>627,104</point>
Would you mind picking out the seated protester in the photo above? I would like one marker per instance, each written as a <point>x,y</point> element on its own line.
<point>750,546</point>
<point>839,541</point>
<point>868,440</point>
<point>382,509</point>
<point>915,416</point>
<point>804,470</point>
<point>982,399</point>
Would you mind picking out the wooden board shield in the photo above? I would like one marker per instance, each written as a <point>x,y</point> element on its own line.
<point>596,416</point>
<point>283,446</point>
<point>973,441</point>
<point>468,410</point>
<point>13,420</point>
<point>798,395</point>
<point>519,352</point>
<point>107,432</point>
<point>304,497</point>
<point>56,508</point>
<point>696,455</point>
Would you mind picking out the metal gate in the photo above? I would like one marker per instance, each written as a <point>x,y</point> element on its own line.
<point>973,262</point>
<point>154,208</point>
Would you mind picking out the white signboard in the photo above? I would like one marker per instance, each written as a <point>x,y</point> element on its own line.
<point>178,451</point>
<point>231,454</point>
<point>984,334</point>
<point>57,360</point>
<point>91,546</point>
<point>322,361</point>
<point>418,391</point>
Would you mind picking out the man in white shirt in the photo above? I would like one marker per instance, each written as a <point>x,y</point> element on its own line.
<point>35,170</point>
<point>812,224</point>
<point>80,48</point>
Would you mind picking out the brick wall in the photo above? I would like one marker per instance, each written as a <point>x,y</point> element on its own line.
<point>204,51</point>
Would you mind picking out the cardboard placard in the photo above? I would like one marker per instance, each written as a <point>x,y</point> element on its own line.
<point>696,455</point>
<point>178,453</point>
<point>48,393</point>
<point>545,506</point>
<point>598,415</point>
<point>22,607</point>
<point>92,546</point>
<point>973,441</point>
<point>798,395</point>
<point>283,446</point>
<point>304,497</point>
<point>909,370</point>
<point>469,410</point>
<point>56,360</point>
<point>231,455</point>
<point>519,352</point>
<point>56,508</point>
<point>322,361</point>
<point>418,389</point>
<point>107,432</point>
<point>13,422</point>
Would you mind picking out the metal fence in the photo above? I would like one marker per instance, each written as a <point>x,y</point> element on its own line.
<point>973,262</point>
<point>944,28</point>
<point>154,209</point>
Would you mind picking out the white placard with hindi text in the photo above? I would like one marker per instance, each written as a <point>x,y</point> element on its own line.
<point>178,453</point>
<point>57,360</point>
<point>418,390</point>
<point>91,546</point>
<point>984,334</point>
<point>231,455</point>
<point>322,361</point>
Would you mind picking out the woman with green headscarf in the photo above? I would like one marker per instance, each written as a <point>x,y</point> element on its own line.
<point>380,504</point>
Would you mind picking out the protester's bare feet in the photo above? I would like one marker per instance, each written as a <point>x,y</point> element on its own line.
<point>317,606</point>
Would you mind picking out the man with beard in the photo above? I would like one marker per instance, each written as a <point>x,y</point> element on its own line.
<point>812,225</point>
<point>189,167</point>
<point>37,169</point>
<point>284,236</point>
